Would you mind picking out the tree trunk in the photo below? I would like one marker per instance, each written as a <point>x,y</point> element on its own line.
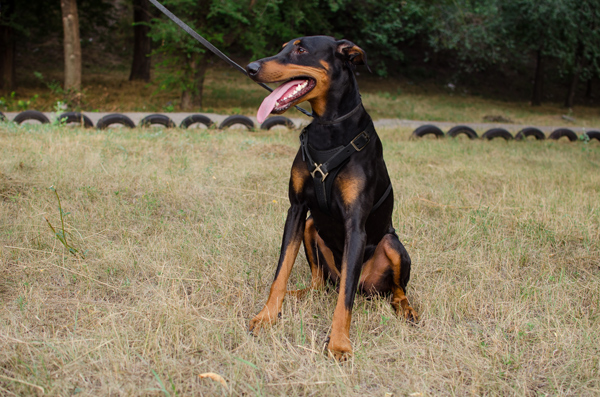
<point>191,98</point>
<point>7,50</point>
<point>72,45</point>
<point>589,89</point>
<point>186,100</point>
<point>570,99</point>
<point>142,46</point>
<point>538,83</point>
<point>7,54</point>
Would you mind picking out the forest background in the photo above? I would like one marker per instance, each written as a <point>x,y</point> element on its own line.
<point>544,51</point>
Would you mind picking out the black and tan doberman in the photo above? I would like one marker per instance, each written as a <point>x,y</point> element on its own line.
<point>340,177</point>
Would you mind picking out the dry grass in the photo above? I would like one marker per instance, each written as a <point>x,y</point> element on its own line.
<point>229,92</point>
<point>181,233</point>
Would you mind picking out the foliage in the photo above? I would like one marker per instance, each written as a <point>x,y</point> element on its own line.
<point>183,60</point>
<point>70,99</point>
<point>276,22</point>
<point>94,15</point>
<point>564,30</point>
<point>466,35</point>
<point>580,41</point>
<point>536,26</point>
<point>382,28</point>
<point>470,30</point>
<point>10,102</point>
<point>7,102</point>
<point>39,19</point>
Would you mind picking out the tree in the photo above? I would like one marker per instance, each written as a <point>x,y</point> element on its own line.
<point>580,47</point>
<point>537,28</point>
<point>183,60</point>
<point>140,68</point>
<point>471,31</point>
<point>22,22</point>
<point>7,45</point>
<point>72,45</point>
<point>382,28</point>
<point>275,22</point>
<point>261,27</point>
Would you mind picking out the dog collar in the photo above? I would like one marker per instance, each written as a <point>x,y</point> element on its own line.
<point>339,119</point>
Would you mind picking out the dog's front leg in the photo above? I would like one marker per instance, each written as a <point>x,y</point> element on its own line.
<point>292,238</point>
<point>339,345</point>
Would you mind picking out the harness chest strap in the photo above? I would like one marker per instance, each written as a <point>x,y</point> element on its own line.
<point>324,174</point>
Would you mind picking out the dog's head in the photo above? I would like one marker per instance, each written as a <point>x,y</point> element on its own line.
<point>306,67</point>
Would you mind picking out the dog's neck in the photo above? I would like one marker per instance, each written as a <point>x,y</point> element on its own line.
<point>326,132</point>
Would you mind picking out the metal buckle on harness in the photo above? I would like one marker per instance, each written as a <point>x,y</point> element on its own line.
<point>361,135</point>
<point>318,168</point>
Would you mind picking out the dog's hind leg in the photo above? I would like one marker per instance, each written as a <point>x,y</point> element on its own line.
<point>400,264</point>
<point>389,270</point>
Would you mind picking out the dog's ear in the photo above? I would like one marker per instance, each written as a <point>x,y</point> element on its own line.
<point>352,53</point>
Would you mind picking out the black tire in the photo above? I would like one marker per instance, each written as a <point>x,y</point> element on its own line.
<point>31,115</point>
<point>237,119</point>
<point>530,131</point>
<point>462,129</point>
<point>497,133</point>
<point>428,129</point>
<point>76,117</point>
<point>159,119</point>
<point>559,133</point>
<point>2,117</point>
<point>114,118</point>
<point>593,135</point>
<point>277,120</point>
<point>196,118</point>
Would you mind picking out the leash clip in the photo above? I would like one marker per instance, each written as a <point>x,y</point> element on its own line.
<point>363,135</point>
<point>318,168</point>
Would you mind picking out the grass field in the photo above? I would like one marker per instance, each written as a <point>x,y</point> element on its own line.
<point>177,235</point>
<point>229,92</point>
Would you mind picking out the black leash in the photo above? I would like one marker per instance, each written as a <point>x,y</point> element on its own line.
<point>211,47</point>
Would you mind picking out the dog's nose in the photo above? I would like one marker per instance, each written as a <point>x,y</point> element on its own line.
<point>253,68</point>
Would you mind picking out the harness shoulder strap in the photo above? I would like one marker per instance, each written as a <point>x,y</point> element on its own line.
<point>324,173</point>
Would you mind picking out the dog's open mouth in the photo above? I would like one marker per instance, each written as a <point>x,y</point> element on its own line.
<point>282,98</point>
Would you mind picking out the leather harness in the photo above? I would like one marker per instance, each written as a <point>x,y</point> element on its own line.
<point>324,165</point>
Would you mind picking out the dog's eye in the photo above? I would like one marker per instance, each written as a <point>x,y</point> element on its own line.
<point>300,50</point>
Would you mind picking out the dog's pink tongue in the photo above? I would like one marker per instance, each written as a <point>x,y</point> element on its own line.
<point>266,107</point>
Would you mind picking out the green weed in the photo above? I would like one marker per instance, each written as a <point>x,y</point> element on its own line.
<point>61,234</point>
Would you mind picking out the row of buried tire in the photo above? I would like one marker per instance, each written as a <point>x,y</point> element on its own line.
<point>153,119</point>
<point>525,133</point>
<point>161,119</point>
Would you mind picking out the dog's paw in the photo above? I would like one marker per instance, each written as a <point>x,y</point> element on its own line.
<point>261,321</point>
<point>403,308</point>
<point>409,313</point>
<point>338,350</point>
